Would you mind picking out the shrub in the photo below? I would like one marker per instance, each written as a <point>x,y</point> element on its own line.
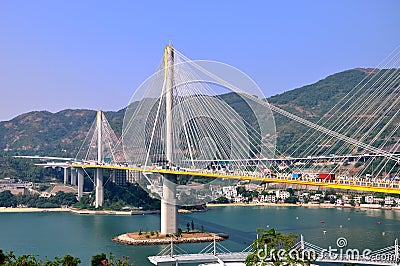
<point>97,259</point>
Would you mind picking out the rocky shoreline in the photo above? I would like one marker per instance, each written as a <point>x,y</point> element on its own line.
<point>127,240</point>
<point>110,212</point>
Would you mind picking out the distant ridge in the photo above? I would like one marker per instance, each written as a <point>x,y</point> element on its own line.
<point>61,133</point>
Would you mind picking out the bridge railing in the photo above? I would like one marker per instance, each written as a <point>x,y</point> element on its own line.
<point>347,182</point>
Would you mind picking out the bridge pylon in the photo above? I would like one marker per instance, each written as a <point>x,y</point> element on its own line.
<point>99,172</point>
<point>169,209</point>
<point>101,146</point>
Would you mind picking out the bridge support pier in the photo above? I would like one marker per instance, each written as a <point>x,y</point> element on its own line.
<point>99,188</point>
<point>73,176</point>
<point>169,209</point>
<point>80,183</point>
<point>65,175</point>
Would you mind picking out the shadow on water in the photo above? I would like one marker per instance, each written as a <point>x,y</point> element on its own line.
<point>235,235</point>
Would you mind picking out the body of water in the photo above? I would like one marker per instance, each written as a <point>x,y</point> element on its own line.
<point>56,234</point>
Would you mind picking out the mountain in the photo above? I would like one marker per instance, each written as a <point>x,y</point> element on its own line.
<point>53,134</point>
<point>311,102</point>
<point>360,103</point>
<point>61,133</point>
<point>318,98</point>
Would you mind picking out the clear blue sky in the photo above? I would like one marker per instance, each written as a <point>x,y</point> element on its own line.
<point>56,55</point>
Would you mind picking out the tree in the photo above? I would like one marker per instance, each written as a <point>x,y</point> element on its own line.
<point>358,164</point>
<point>192,223</point>
<point>97,259</point>
<point>25,260</point>
<point>62,198</point>
<point>179,233</point>
<point>113,261</point>
<point>69,260</point>
<point>2,257</point>
<point>291,191</point>
<point>10,259</point>
<point>222,200</point>
<point>240,190</point>
<point>362,200</point>
<point>352,202</point>
<point>255,194</point>
<point>7,199</point>
<point>188,227</point>
<point>291,199</point>
<point>269,246</point>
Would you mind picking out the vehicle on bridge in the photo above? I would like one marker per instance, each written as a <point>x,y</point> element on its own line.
<point>326,176</point>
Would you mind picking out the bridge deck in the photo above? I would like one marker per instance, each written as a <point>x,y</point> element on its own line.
<point>349,183</point>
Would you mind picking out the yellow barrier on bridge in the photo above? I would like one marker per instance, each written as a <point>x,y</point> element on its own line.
<point>345,184</point>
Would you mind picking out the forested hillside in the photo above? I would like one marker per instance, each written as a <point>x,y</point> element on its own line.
<point>311,102</point>
<point>61,134</point>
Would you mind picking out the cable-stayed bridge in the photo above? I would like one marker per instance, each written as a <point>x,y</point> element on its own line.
<point>197,125</point>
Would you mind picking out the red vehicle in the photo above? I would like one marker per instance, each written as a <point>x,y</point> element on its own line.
<point>326,176</point>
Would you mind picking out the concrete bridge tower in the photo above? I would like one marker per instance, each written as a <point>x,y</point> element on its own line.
<point>169,210</point>
<point>99,172</point>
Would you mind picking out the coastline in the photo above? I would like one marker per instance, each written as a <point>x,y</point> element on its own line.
<point>24,209</point>
<point>252,204</point>
<point>110,212</point>
<point>307,205</point>
<point>73,210</point>
<point>141,212</point>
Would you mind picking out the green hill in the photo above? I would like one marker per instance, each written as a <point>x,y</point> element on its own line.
<point>44,133</point>
<point>311,102</point>
<point>327,102</point>
<point>61,133</point>
<point>317,99</point>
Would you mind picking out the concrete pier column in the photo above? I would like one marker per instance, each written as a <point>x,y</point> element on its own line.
<point>65,175</point>
<point>169,209</point>
<point>73,176</point>
<point>99,188</point>
<point>80,183</point>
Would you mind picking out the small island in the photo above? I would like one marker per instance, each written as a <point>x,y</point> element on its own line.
<point>155,238</point>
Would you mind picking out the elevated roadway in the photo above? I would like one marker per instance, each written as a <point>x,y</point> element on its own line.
<point>340,182</point>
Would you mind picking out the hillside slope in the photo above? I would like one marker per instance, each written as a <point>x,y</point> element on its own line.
<point>61,133</point>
